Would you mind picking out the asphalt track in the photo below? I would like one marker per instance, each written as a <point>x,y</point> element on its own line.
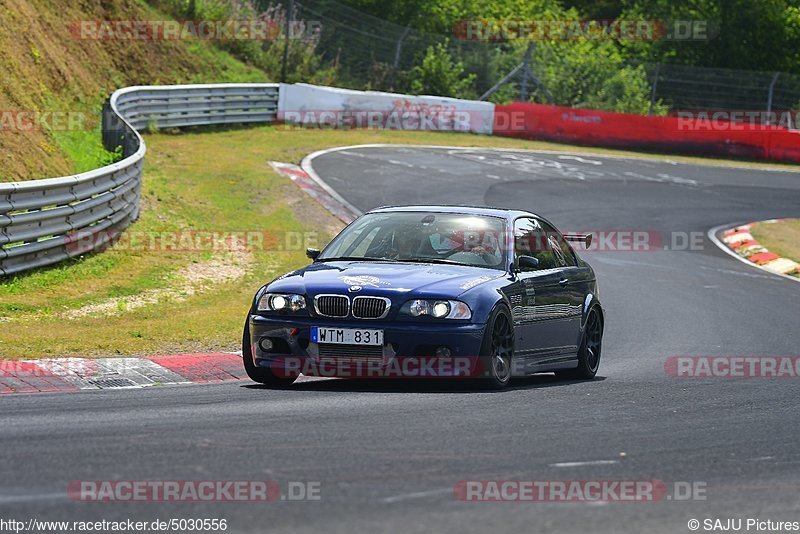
<point>387,455</point>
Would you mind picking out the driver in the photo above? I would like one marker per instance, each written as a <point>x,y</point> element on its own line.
<point>405,243</point>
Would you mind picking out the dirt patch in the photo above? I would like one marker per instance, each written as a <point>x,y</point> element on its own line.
<point>196,277</point>
<point>306,208</point>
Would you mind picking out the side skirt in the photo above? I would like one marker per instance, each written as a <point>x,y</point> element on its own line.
<point>545,363</point>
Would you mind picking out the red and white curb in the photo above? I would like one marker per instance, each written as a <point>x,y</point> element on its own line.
<point>77,374</point>
<point>739,242</point>
<point>318,190</point>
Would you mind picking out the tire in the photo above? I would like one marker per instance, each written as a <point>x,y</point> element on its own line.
<point>589,351</point>
<point>262,375</point>
<point>497,349</point>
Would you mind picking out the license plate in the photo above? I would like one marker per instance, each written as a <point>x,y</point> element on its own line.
<point>346,336</point>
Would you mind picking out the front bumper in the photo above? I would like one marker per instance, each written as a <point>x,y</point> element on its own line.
<point>409,348</point>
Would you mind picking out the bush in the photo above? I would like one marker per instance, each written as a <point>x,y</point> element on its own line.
<point>626,91</point>
<point>439,75</point>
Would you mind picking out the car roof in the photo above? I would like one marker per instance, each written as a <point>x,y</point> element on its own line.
<point>503,213</point>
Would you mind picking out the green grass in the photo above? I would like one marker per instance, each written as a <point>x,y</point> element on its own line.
<point>84,148</point>
<point>213,179</point>
<point>781,237</point>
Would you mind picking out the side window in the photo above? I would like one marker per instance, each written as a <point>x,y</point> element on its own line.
<point>564,255</point>
<point>530,239</point>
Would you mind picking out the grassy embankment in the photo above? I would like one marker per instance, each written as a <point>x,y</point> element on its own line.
<point>47,68</point>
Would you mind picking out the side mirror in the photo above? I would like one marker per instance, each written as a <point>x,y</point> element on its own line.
<point>527,263</point>
<point>312,253</point>
<point>586,239</point>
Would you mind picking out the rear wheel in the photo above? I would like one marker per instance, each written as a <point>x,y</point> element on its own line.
<point>589,351</point>
<point>497,349</point>
<point>262,375</point>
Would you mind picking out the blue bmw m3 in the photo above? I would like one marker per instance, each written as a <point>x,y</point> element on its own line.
<point>431,291</point>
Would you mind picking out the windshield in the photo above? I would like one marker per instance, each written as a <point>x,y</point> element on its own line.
<point>424,237</point>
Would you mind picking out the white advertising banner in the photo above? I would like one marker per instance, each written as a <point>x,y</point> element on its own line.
<point>327,107</point>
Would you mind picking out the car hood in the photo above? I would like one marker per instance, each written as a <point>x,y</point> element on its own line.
<point>384,278</point>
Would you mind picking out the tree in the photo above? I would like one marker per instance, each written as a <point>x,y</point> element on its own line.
<point>744,34</point>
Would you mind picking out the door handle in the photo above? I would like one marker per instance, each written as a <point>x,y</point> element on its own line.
<point>563,282</point>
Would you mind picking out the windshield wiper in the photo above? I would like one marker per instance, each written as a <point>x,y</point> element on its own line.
<point>353,258</point>
<point>415,260</point>
<point>434,260</point>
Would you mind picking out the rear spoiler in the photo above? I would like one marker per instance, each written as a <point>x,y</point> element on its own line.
<point>586,239</point>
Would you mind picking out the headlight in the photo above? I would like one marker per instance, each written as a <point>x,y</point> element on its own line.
<point>281,302</point>
<point>441,309</point>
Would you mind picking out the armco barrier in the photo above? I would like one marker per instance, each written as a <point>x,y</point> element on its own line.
<point>623,130</point>
<point>40,219</point>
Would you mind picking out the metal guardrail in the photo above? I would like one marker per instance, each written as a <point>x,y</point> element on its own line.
<point>45,221</point>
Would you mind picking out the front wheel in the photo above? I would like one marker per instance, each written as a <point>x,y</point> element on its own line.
<point>262,375</point>
<point>589,351</point>
<point>497,349</point>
